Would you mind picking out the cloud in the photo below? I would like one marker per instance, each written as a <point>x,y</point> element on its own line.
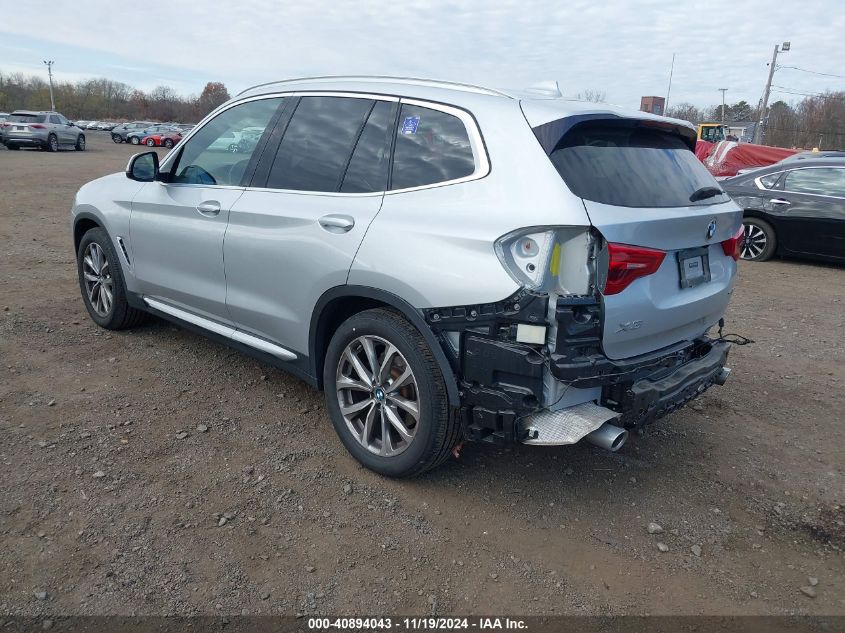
<point>621,48</point>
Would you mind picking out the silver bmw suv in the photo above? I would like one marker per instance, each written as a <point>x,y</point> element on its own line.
<point>447,262</point>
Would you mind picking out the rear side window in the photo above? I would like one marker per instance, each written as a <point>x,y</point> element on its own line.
<point>821,181</point>
<point>770,180</point>
<point>431,147</point>
<point>318,143</point>
<point>367,170</point>
<point>629,166</point>
<point>27,118</point>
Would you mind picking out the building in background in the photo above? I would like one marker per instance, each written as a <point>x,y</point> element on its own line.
<point>655,105</point>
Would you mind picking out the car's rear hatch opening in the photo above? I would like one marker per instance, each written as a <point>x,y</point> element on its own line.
<point>664,276</point>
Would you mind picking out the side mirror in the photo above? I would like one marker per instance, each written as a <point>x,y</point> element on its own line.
<point>143,167</point>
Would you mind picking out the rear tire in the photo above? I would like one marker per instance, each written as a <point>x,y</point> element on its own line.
<point>759,240</point>
<point>134,140</point>
<point>12,147</point>
<point>80,143</point>
<point>52,143</point>
<point>168,143</point>
<point>114,312</point>
<point>407,378</point>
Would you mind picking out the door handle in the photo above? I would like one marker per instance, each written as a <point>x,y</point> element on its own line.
<point>780,201</point>
<point>209,208</point>
<point>337,223</point>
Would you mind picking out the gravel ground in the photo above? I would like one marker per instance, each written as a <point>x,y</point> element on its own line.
<point>155,472</point>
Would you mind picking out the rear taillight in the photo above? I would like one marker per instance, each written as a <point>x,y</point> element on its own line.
<point>733,246</point>
<point>549,259</point>
<point>627,263</point>
<point>37,126</point>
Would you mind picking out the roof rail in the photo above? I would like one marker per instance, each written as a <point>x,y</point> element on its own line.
<point>387,78</point>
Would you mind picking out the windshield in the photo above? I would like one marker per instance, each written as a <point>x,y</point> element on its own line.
<point>626,165</point>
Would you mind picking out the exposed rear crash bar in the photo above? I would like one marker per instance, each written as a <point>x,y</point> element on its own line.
<point>648,399</point>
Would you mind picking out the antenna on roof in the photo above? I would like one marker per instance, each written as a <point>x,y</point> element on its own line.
<point>549,88</point>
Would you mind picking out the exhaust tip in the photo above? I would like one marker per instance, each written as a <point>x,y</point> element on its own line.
<point>608,437</point>
<point>723,375</point>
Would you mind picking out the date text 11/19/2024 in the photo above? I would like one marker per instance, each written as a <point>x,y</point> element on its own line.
<point>417,624</point>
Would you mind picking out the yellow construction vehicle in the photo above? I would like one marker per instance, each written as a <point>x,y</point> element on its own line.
<point>712,132</point>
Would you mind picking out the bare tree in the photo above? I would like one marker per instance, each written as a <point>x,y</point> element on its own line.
<point>596,96</point>
<point>685,112</point>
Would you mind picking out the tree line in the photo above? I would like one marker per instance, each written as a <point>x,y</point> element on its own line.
<point>814,121</point>
<point>108,100</point>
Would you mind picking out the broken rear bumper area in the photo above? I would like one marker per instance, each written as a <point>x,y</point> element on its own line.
<point>652,398</point>
<point>502,382</point>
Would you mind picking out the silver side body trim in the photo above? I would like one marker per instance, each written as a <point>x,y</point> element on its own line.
<point>222,330</point>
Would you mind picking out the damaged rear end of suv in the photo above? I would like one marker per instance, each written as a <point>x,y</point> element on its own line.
<point>618,291</point>
<point>447,262</point>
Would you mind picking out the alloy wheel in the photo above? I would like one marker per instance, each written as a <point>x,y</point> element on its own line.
<point>98,280</point>
<point>378,395</point>
<point>753,241</point>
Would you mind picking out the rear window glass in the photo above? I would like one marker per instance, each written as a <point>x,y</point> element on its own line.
<point>769,181</point>
<point>629,166</point>
<point>431,147</point>
<point>27,118</point>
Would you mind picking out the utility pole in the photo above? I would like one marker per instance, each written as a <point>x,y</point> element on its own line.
<point>723,91</point>
<point>758,130</point>
<point>49,64</point>
<point>669,89</point>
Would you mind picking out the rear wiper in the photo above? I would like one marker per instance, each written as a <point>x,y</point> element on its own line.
<point>704,193</point>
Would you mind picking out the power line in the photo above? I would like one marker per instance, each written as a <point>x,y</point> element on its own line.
<point>793,91</point>
<point>813,72</point>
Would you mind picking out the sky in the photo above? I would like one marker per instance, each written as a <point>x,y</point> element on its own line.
<point>620,47</point>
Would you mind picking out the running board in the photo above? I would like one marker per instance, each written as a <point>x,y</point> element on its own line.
<point>564,426</point>
<point>226,331</point>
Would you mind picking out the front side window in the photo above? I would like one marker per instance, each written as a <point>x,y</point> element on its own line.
<point>218,154</point>
<point>318,143</point>
<point>431,147</point>
<point>821,181</point>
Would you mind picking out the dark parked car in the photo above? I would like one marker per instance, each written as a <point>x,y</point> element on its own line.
<point>795,208</point>
<point>120,132</point>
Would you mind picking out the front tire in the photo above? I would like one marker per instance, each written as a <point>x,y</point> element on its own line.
<point>134,140</point>
<point>168,143</point>
<point>386,395</point>
<point>150,142</point>
<point>80,143</point>
<point>102,285</point>
<point>759,240</point>
<point>116,138</point>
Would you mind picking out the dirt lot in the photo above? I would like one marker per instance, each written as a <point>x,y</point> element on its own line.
<point>104,510</point>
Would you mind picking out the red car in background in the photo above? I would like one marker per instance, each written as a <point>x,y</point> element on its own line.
<point>162,139</point>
